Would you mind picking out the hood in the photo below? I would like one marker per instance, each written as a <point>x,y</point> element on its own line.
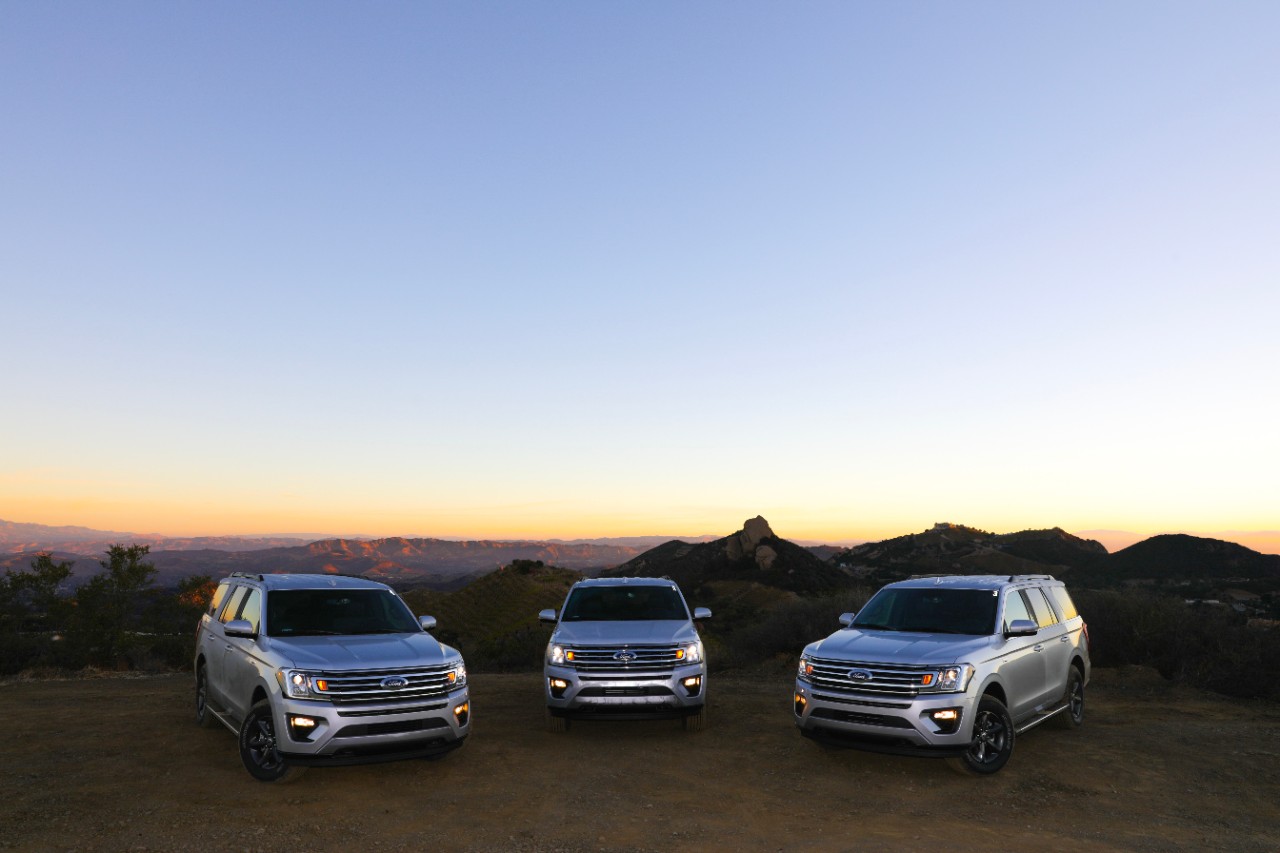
<point>374,651</point>
<point>853,644</point>
<point>656,632</point>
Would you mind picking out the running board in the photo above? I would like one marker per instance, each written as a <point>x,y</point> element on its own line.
<point>1048,715</point>
<point>224,719</point>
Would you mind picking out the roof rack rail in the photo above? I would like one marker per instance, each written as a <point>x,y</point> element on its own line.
<point>257,576</point>
<point>1013,578</point>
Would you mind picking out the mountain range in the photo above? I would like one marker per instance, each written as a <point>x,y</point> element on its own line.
<point>754,556</point>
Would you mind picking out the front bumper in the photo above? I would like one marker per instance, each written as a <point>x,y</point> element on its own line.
<point>900,725</point>
<point>675,692</point>
<point>365,733</point>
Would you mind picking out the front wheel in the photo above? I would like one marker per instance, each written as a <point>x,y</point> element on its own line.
<point>992,742</point>
<point>258,747</point>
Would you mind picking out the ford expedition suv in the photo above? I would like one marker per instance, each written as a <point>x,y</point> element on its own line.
<point>325,670</point>
<point>625,647</point>
<point>948,666</point>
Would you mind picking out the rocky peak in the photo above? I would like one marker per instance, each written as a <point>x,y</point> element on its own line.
<point>745,541</point>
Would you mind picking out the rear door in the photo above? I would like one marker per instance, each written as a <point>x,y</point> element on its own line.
<point>1022,664</point>
<point>1055,640</point>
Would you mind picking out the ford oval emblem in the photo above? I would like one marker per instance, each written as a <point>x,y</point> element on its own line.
<point>859,675</point>
<point>394,682</point>
<point>625,656</point>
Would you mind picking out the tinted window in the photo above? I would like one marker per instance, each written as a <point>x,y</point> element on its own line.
<point>1066,606</point>
<point>1015,607</point>
<point>251,611</point>
<point>624,603</point>
<point>319,612</point>
<point>218,594</point>
<point>233,605</point>
<point>930,610</point>
<point>1044,611</point>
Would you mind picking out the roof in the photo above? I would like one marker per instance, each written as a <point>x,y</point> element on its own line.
<point>310,581</point>
<point>972,581</point>
<point>627,582</point>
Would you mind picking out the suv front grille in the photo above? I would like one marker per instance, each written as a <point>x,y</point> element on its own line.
<point>625,658</point>
<point>346,688</point>
<point>885,678</point>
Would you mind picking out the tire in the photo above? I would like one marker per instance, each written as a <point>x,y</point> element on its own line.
<point>993,738</point>
<point>258,747</point>
<point>556,724</point>
<point>696,721</point>
<point>1073,717</point>
<point>204,717</point>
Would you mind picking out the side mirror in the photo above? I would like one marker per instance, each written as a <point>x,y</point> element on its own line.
<point>846,619</point>
<point>700,613</point>
<point>547,616</point>
<point>428,623</point>
<point>239,628</point>
<point>1021,628</point>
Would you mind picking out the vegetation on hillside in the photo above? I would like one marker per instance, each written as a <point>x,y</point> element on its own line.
<point>118,620</point>
<point>115,620</point>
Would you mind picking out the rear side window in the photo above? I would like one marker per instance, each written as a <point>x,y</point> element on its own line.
<point>1044,612</point>
<point>218,594</point>
<point>1066,606</point>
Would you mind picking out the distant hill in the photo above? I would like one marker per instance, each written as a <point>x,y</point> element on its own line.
<point>19,538</point>
<point>493,620</point>
<point>954,548</point>
<point>1176,556</point>
<point>754,554</point>
<point>408,562</point>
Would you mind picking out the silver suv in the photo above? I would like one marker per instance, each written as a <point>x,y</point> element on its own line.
<point>625,647</point>
<point>948,666</point>
<point>325,670</point>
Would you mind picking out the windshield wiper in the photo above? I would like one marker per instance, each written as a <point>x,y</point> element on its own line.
<point>874,627</point>
<point>382,631</point>
<point>316,632</point>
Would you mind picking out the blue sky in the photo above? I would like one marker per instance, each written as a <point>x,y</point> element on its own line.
<point>577,269</point>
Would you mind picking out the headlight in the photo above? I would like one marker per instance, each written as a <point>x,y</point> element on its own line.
<point>298,684</point>
<point>953,679</point>
<point>457,675</point>
<point>806,667</point>
<point>692,653</point>
<point>556,654</point>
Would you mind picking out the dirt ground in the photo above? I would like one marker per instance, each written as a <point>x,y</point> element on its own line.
<point>118,764</point>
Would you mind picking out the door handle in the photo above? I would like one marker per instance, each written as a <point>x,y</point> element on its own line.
<point>1039,648</point>
<point>1064,639</point>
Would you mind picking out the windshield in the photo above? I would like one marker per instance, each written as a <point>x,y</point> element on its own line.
<point>930,610</point>
<point>328,612</point>
<point>624,604</point>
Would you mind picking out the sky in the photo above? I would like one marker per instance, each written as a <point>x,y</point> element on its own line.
<point>583,269</point>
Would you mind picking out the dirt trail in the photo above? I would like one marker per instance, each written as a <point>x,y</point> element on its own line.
<point>118,764</point>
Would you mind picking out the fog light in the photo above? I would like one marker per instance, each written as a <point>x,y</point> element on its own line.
<point>692,684</point>
<point>801,702</point>
<point>558,687</point>
<point>946,719</point>
<point>463,713</point>
<point>301,728</point>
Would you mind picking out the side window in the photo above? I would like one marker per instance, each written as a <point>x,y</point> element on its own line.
<point>252,609</point>
<point>1042,607</point>
<point>218,594</point>
<point>233,604</point>
<point>1066,606</point>
<point>1015,607</point>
